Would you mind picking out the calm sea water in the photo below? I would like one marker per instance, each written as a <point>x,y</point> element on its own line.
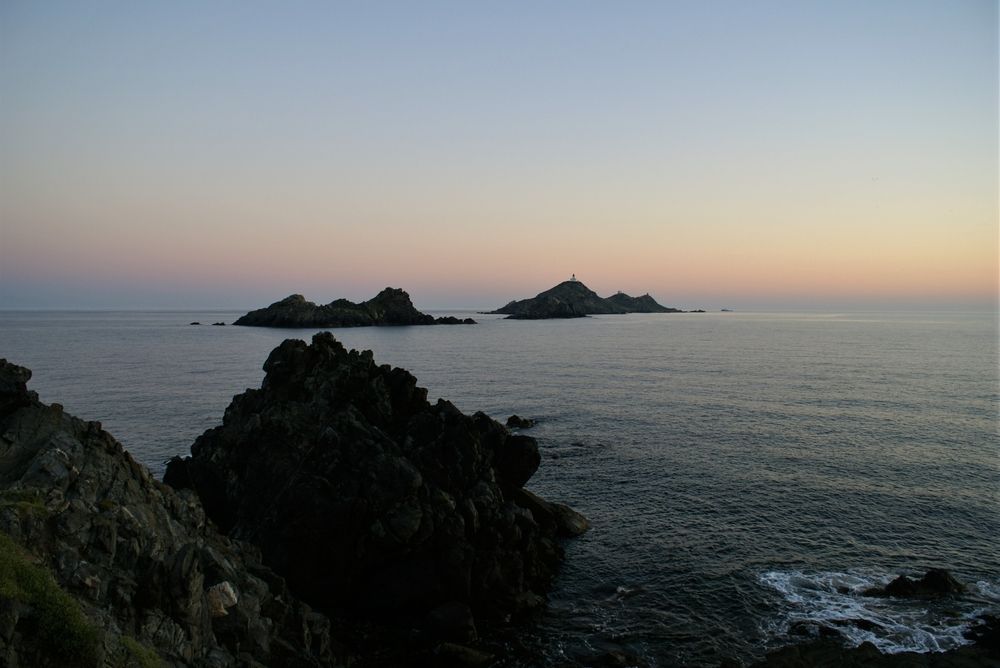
<point>742,472</point>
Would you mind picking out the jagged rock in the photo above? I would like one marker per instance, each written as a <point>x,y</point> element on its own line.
<point>517,422</point>
<point>573,299</point>
<point>370,499</point>
<point>935,583</point>
<point>392,306</point>
<point>221,597</point>
<point>137,558</point>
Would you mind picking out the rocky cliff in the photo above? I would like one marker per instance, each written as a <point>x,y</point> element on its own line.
<point>573,299</point>
<point>371,500</point>
<point>102,565</point>
<point>392,306</point>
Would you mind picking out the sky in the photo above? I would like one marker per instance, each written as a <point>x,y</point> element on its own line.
<point>715,154</point>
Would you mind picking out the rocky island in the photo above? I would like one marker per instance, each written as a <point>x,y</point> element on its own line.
<point>573,299</point>
<point>392,306</point>
<point>335,518</point>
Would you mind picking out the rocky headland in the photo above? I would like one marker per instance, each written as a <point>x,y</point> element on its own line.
<point>370,499</point>
<point>573,299</point>
<point>392,306</point>
<point>335,518</point>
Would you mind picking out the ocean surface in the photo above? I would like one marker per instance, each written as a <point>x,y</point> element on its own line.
<point>744,473</point>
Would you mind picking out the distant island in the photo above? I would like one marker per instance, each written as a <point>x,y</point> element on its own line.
<point>573,299</point>
<point>392,306</point>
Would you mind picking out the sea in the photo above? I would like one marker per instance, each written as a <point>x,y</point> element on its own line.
<point>746,475</point>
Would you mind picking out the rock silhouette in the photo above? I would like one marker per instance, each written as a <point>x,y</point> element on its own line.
<point>392,306</point>
<point>370,499</point>
<point>573,299</point>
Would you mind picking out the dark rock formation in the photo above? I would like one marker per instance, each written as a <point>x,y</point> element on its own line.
<point>517,422</point>
<point>935,583</point>
<point>140,577</point>
<point>643,304</point>
<point>392,306</point>
<point>573,299</point>
<point>373,501</point>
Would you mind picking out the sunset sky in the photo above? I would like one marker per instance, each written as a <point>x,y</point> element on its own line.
<point>749,155</point>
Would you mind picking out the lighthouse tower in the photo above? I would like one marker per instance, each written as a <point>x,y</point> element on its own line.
<point>573,278</point>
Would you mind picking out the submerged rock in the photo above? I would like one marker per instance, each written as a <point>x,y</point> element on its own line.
<point>372,500</point>
<point>392,306</point>
<point>140,576</point>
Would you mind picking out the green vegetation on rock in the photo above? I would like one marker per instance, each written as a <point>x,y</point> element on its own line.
<point>137,654</point>
<point>57,624</point>
<point>23,501</point>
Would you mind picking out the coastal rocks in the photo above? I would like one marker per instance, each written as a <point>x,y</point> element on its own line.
<point>573,299</point>
<point>832,652</point>
<point>102,565</point>
<point>372,500</point>
<point>935,583</point>
<point>392,306</point>
<point>827,648</point>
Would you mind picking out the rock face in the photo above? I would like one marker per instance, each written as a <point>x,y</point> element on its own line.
<point>573,299</point>
<point>373,501</point>
<point>392,306</point>
<point>149,581</point>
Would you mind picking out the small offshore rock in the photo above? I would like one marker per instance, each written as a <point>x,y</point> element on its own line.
<point>452,320</point>
<point>518,422</point>
<point>195,323</point>
<point>936,583</point>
